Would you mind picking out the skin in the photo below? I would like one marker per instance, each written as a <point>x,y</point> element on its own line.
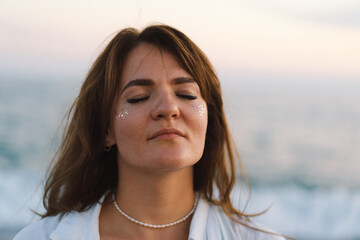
<point>158,143</point>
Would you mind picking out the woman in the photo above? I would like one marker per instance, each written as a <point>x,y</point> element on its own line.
<point>147,153</point>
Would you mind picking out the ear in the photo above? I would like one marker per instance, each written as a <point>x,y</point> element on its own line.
<point>109,138</point>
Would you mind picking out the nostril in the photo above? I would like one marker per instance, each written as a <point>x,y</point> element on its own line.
<point>166,108</point>
<point>165,115</point>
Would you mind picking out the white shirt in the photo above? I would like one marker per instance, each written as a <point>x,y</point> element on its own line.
<point>208,223</point>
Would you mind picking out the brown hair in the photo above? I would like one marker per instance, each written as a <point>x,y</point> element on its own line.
<point>83,171</point>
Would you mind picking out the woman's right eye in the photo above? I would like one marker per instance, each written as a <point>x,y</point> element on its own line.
<point>137,100</point>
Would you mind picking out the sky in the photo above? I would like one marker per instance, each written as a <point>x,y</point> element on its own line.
<point>306,40</point>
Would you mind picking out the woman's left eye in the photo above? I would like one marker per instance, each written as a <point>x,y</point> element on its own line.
<point>187,96</point>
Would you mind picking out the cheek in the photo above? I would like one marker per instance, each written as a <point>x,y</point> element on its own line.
<point>200,109</point>
<point>123,113</point>
<point>126,124</point>
<point>199,116</point>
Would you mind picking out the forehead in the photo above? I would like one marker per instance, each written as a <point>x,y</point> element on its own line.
<point>149,61</point>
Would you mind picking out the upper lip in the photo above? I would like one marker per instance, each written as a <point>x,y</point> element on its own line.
<point>166,131</point>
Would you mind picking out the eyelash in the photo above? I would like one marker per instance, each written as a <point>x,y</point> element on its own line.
<point>138,100</point>
<point>187,96</point>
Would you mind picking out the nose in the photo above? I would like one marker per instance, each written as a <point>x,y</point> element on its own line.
<point>166,108</point>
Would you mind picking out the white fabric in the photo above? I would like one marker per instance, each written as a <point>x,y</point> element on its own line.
<point>208,223</point>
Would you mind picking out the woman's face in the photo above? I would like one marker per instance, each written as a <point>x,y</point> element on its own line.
<point>160,118</point>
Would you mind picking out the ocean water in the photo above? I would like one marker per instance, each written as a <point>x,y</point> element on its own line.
<point>299,142</point>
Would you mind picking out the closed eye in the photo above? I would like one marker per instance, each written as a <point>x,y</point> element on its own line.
<point>187,96</point>
<point>137,100</point>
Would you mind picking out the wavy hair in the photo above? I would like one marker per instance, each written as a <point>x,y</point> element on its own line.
<point>83,172</point>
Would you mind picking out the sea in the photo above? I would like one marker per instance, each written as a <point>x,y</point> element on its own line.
<point>299,142</point>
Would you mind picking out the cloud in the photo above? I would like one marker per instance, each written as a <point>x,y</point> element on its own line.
<point>333,12</point>
<point>347,17</point>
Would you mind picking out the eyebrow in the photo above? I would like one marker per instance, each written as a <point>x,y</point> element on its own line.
<point>150,82</point>
<point>181,80</point>
<point>139,82</point>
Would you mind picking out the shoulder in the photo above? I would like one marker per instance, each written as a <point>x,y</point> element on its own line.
<point>234,230</point>
<point>73,225</point>
<point>267,234</point>
<point>39,230</point>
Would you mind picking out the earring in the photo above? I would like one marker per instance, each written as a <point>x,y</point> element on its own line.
<point>107,148</point>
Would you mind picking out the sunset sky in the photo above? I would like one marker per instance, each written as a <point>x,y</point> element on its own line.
<point>318,39</point>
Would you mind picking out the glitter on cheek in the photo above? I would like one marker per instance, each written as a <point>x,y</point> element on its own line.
<point>123,113</point>
<point>200,109</point>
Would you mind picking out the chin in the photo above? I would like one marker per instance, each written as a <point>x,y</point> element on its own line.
<point>172,163</point>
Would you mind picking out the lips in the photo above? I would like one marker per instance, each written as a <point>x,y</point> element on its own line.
<point>167,133</point>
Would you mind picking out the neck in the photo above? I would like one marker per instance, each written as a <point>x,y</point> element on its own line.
<point>153,197</point>
<point>150,197</point>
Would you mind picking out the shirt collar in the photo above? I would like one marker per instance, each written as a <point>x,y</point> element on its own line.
<point>79,226</point>
<point>199,221</point>
<point>85,225</point>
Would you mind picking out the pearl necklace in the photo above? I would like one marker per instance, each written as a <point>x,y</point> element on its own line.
<point>154,225</point>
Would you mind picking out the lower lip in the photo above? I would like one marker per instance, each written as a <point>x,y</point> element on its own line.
<point>167,136</point>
